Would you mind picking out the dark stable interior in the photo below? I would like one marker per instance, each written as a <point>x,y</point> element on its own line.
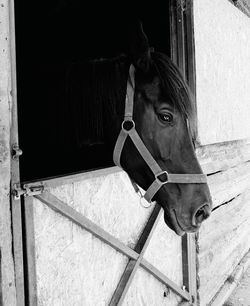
<point>49,36</point>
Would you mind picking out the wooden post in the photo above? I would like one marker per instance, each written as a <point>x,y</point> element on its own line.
<point>9,281</point>
<point>1,294</point>
<point>15,175</point>
<point>189,266</point>
<point>182,51</point>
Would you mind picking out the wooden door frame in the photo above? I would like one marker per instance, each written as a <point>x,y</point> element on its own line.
<point>16,213</point>
<point>135,255</point>
<point>182,53</point>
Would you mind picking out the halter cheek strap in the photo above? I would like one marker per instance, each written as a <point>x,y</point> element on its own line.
<point>128,129</point>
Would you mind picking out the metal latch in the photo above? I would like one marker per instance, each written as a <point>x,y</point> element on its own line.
<point>27,190</point>
<point>16,151</point>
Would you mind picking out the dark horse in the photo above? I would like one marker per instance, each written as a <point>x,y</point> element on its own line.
<point>163,114</point>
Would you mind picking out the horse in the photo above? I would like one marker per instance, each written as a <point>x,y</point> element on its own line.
<point>159,113</point>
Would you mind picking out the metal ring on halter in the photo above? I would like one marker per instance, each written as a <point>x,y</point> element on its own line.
<point>163,179</point>
<point>128,129</point>
<point>144,203</point>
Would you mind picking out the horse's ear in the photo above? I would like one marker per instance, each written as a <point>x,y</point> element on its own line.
<point>139,50</point>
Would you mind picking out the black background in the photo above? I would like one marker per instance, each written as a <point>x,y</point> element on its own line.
<point>49,36</point>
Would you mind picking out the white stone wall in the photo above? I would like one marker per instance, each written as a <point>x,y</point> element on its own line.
<point>222,48</point>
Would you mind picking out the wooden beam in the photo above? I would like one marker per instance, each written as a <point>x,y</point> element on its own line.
<point>183,46</point>
<point>222,156</point>
<point>173,31</point>
<point>68,212</point>
<point>30,257</point>
<point>165,280</point>
<point>18,250</point>
<point>15,175</point>
<point>76,177</point>
<point>1,292</point>
<point>132,266</point>
<point>189,266</point>
<point>226,185</point>
<point>180,37</point>
<point>189,45</point>
<point>223,240</point>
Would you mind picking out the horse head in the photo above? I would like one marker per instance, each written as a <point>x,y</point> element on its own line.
<point>164,119</point>
<point>159,115</point>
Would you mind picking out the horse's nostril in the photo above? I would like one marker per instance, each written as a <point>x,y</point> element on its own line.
<point>201,214</point>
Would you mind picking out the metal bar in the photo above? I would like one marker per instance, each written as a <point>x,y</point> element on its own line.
<point>132,266</point>
<point>30,258</point>
<point>68,212</point>
<point>165,280</point>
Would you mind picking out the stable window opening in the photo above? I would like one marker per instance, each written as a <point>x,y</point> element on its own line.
<point>49,38</point>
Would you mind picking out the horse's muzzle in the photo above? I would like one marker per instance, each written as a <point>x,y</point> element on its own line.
<point>201,214</point>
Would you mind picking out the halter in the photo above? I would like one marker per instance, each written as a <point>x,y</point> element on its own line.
<point>128,129</point>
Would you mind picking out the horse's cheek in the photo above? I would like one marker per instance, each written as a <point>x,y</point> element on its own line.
<point>148,127</point>
<point>163,143</point>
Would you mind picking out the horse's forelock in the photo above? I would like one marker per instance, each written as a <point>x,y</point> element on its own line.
<point>173,85</point>
<point>97,94</point>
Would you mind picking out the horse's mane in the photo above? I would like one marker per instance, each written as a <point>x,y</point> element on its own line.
<point>97,92</point>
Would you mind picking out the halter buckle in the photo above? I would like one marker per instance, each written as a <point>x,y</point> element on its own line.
<point>128,125</point>
<point>162,177</point>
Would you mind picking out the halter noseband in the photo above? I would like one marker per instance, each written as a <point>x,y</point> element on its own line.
<point>128,129</point>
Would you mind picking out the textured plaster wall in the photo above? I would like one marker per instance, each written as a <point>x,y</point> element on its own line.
<point>222,48</point>
<point>8,285</point>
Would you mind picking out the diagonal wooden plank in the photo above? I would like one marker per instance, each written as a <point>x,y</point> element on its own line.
<point>165,280</point>
<point>146,235</point>
<point>133,265</point>
<point>67,211</point>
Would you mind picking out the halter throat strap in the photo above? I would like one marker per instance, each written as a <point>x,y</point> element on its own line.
<point>128,130</point>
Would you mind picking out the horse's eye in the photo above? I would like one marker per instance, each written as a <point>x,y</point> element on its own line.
<point>166,117</point>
